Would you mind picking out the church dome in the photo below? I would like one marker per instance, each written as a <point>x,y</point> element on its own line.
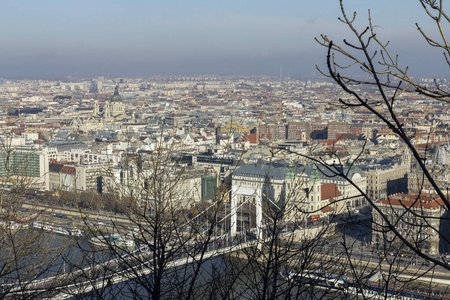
<point>116,97</point>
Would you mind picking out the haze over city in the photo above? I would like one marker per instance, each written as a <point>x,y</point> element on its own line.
<point>56,39</point>
<point>198,150</point>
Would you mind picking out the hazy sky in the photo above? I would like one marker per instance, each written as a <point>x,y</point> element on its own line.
<point>51,39</point>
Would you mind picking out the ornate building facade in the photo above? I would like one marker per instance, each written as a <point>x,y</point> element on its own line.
<point>113,109</point>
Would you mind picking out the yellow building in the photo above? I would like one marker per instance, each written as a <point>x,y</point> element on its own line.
<point>235,127</point>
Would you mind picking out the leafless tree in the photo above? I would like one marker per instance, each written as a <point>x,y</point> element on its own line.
<point>175,232</point>
<point>27,254</point>
<point>403,224</point>
<point>183,247</point>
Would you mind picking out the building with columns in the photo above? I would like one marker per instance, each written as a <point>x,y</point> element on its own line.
<point>113,109</point>
<point>416,217</point>
<point>389,176</point>
<point>300,191</point>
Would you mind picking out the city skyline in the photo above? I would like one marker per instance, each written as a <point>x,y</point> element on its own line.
<point>53,40</point>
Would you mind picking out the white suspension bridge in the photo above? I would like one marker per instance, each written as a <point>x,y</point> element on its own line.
<point>234,236</point>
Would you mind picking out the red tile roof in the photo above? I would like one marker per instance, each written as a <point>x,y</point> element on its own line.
<point>329,191</point>
<point>252,138</point>
<point>326,209</point>
<point>68,170</point>
<point>426,201</point>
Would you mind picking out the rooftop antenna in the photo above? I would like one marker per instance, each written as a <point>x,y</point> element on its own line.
<point>281,78</point>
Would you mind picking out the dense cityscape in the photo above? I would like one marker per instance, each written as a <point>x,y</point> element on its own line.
<point>93,148</point>
<point>222,150</point>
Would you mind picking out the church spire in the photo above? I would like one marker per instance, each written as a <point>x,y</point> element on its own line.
<point>291,171</point>
<point>315,176</point>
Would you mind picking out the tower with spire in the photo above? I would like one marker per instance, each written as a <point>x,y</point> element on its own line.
<point>315,192</point>
<point>114,108</point>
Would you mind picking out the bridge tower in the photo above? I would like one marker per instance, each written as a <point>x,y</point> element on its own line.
<point>246,191</point>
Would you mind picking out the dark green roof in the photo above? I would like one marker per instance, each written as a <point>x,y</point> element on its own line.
<point>313,171</point>
<point>262,170</point>
<point>116,97</point>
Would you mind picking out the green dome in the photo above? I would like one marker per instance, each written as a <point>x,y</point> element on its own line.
<point>291,172</point>
<point>315,176</point>
<point>116,97</point>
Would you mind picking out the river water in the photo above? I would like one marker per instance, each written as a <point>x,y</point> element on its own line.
<point>221,277</point>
